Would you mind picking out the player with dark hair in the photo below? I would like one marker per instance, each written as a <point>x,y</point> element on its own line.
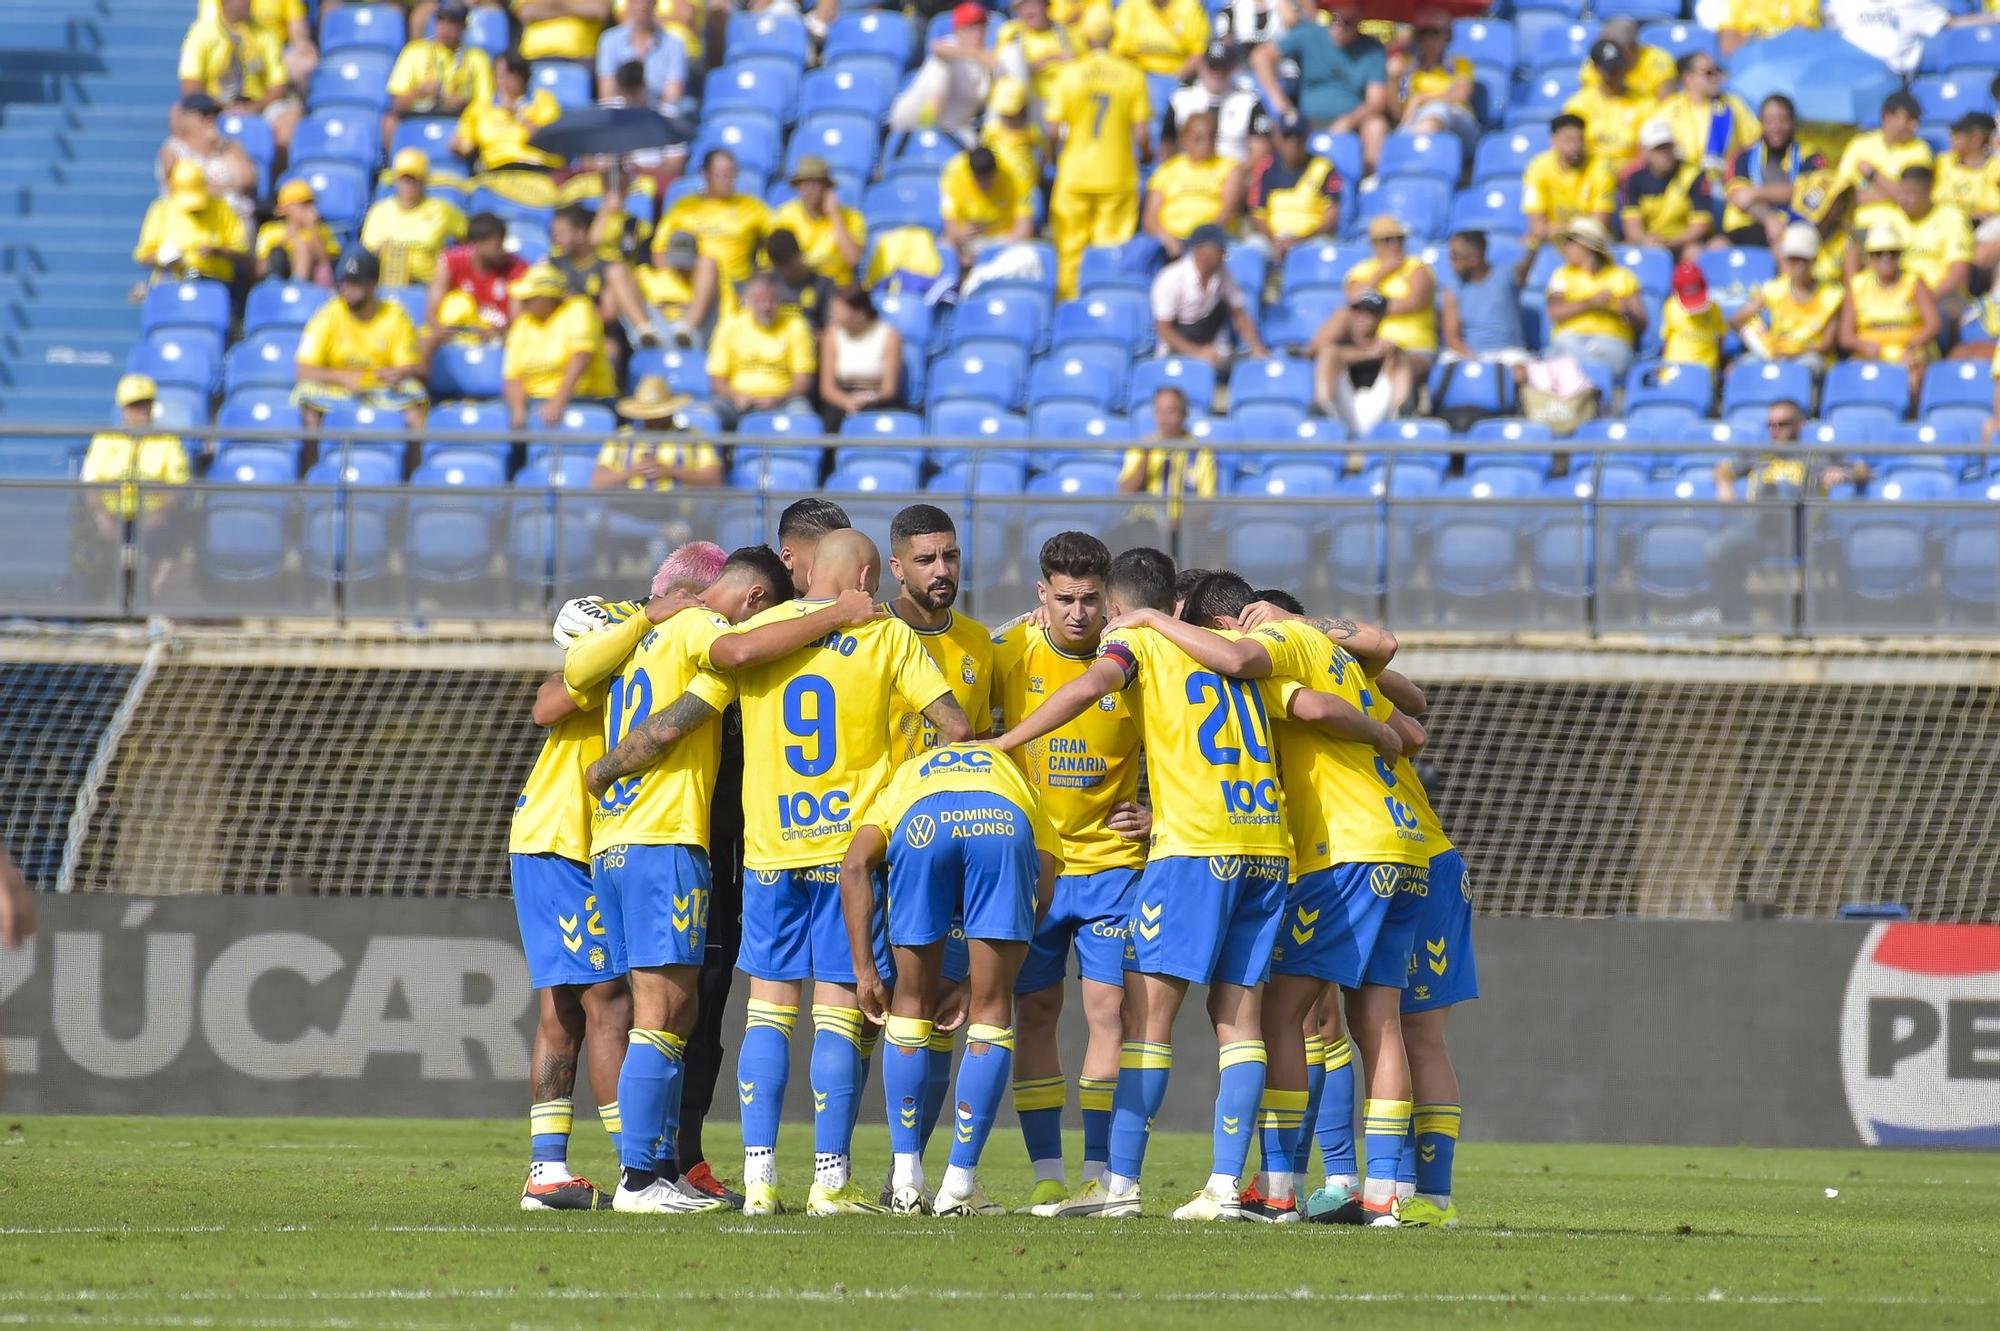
<point>801,527</point>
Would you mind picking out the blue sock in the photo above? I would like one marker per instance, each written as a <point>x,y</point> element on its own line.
<point>762,1066</point>
<point>903,1069</point>
<point>649,1097</point>
<point>548,1131</point>
<point>1436,1129</point>
<point>1334,1125</point>
<point>871,1036</point>
<point>1281,1121</point>
<point>1143,1069</point>
<point>836,1076</point>
<point>1237,1096</point>
<point>1038,1103</point>
<point>1315,1084</point>
<point>1094,1096</point>
<point>982,1081</point>
<point>1384,1125</point>
<point>1406,1163</point>
<point>937,1080</point>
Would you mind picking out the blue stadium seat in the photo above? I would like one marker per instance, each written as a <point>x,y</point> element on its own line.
<point>883,425</point>
<point>1434,155</point>
<point>1319,264</point>
<point>194,304</point>
<point>767,85</point>
<point>450,541</point>
<point>749,134</point>
<point>254,133</point>
<point>342,134</point>
<point>362,27</point>
<point>430,135</point>
<point>1866,422</point>
<point>1873,383</point>
<point>776,35</point>
<point>1018,319</point>
<point>873,32</point>
<point>846,140</point>
<point>854,89</point>
<point>684,371</point>
<point>1295,478</point>
<point>1086,372</point>
<point>1492,90</point>
<point>1507,430</point>
<point>1956,48</point>
<point>910,317</point>
<point>567,82</point>
<point>1564,44</point>
<point>1956,383</point>
<point>1968,421</point>
<point>1343,150</point>
<point>254,464</point>
<point>871,472</point>
<point>1472,386</point>
<point>1115,317</point>
<point>352,80</point>
<point>1643,10</point>
<point>924,150</point>
<point>774,469</point>
<point>1542,99</point>
<point>1651,382</point>
<point>529,240</point>
<point>1290,324</point>
<point>1733,273</point>
<point>1266,421</point>
<point>1084,476</point>
<point>246,537</point>
<point>1678,38</point>
<point>990,372</point>
<point>264,360</point>
<point>1652,265</point>
<point>1276,379</point>
<point>778,425</point>
<point>1969,552</point>
<point>1193,377</point>
<point>183,357</point>
<point>1484,41</point>
<point>1420,203</point>
<point>1758,384</point>
<point>1108,267</point>
<point>987,474</point>
<point>486,418</point>
<point>967,418</point>
<point>462,371</point>
<point>1492,206</point>
<point>458,465</point>
<point>1074,420</point>
<point>340,188</point>
<point>1946,97</point>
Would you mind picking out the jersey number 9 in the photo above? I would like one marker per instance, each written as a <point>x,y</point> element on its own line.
<point>809,718</point>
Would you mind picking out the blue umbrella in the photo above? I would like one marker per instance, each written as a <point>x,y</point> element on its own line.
<point>1828,79</point>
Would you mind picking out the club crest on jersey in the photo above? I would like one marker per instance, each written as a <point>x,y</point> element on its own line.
<point>965,670</point>
<point>597,958</point>
<point>1108,703</point>
<point>921,831</point>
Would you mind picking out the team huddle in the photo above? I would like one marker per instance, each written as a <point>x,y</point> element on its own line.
<point>932,820</point>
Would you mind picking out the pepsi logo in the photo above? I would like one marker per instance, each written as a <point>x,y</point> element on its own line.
<point>1920,1036</point>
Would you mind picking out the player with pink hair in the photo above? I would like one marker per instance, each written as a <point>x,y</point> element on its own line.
<point>690,568</point>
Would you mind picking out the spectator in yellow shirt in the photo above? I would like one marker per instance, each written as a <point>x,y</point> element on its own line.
<point>1565,183</point>
<point>496,132</point>
<point>1192,188</point>
<point>359,348</point>
<point>1764,176</point>
<point>1937,242</point>
<point>1408,289</point>
<point>680,288</point>
<point>1292,196</point>
<point>1890,314</point>
<point>132,455</point>
<point>1613,109</point>
<point>555,350</point>
<point>1649,69</point>
<point>228,58</point>
<point>191,232</point>
<point>1794,316</point>
<point>1691,325</point>
<point>1033,50</point>
<point>286,23</point>
<point>982,206</point>
<point>1431,90</point>
<point>438,76</point>
<point>644,456</point>
<point>1968,177</point>
<point>1710,125</point>
<point>562,29</point>
<point>831,235</point>
<point>1163,465</point>
<point>728,226</point>
<point>1873,162</point>
<point>410,229</point>
<point>298,246</point>
<point>1752,20</point>
<point>1015,139</point>
<point>1164,37</point>
<point>762,357</point>
<point>1594,305</point>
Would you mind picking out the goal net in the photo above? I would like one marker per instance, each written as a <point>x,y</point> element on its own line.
<point>1579,778</point>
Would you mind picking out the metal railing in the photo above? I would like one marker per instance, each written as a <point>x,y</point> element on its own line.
<point>1413,556</point>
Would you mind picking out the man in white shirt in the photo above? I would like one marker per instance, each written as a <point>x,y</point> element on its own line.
<point>1893,31</point>
<point>1196,300</point>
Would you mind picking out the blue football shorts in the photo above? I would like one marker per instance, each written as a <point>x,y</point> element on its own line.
<point>1443,970</point>
<point>1352,924</point>
<point>1207,919</point>
<point>960,857</point>
<point>571,931</point>
<point>663,893</point>
<point>793,928</point>
<point>1092,910</point>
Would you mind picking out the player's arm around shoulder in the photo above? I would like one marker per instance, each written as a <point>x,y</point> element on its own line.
<point>554,702</point>
<point>650,741</point>
<point>1343,720</point>
<point>755,644</point>
<point>1110,673</point>
<point>1372,646</point>
<point>1400,691</point>
<point>1239,657</point>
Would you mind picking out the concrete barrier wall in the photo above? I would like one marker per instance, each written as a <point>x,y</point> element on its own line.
<point>1776,1034</point>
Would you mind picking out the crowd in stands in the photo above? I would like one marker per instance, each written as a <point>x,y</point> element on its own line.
<point>1231,222</point>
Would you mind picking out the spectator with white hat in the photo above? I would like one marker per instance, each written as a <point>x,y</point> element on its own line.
<point>1794,317</point>
<point>1667,200</point>
<point>1890,314</point>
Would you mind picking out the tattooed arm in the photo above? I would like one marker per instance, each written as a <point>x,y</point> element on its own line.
<point>1374,648</point>
<point>649,741</point>
<point>950,720</point>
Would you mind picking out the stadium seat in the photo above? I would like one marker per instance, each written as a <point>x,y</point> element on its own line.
<point>1249,267</point>
<point>466,371</point>
<point>1343,150</point>
<point>867,473</point>
<point>903,201</point>
<point>774,469</point>
<point>340,187</point>
<point>254,133</point>
<point>1266,421</point>
<point>1651,382</point>
<point>777,35</point>
<point>1505,154</point>
<point>1955,48</point>
<point>1956,383</point>
<point>1946,97</point>
<point>1420,203</point>
<point>873,32</point>
<point>198,304</point>
<point>1439,156</point>
<point>766,85</point>
<point>923,151</point>
<point>1542,99</point>
<point>1083,476</point>
<point>750,135</point>
<point>1966,421</point>
<point>1873,383</point>
<point>1760,383</point>
<point>1073,420</point>
<point>1016,318</point>
<point>1291,323</point>
<point>1734,273</point>
<point>684,371</point>
<point>341,134</point>
<point>988,475</point>
<point>356,80</point>
<point>883,425</point>
<point>183,357</point>
<point>1864,422</point>
<point>1508,431</point>
<point>1086,372</point>
<point>1492,206</point>
<point>1484,41</point>
<point>1679,38</point>
<point>845,139</point>
<point>1319,264</point>
<point>1472,386</point>
<point>962,418</point>
<point>565,81</point>
<point>1105,267</point>
<point>1193,377</point>
<point>1294,478</point>
<point>264,360</point>
<point>1566,44</point>
<point>281,305</point>
<point>245,537</point>
<point>1113,317</point>
<point>1276,379</point>
<point>988,371</point>
<point>254,464</point>
<point>362,27</point>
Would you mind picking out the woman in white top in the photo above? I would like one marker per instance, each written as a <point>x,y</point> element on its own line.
<point>860,359</point>
<point>195,133</point>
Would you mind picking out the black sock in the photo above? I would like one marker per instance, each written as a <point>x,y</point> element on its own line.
<point>637,1180</point>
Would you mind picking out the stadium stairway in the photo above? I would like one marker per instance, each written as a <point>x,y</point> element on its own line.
<point>85,86</point>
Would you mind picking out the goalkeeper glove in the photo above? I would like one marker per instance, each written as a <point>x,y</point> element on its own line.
<point>586,614</point>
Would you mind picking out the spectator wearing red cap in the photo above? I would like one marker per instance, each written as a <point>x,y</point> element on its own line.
<point>1691,325</point>
<point>951,88</point>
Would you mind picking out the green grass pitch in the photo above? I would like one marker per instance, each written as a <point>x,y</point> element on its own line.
<point>285,1225</point>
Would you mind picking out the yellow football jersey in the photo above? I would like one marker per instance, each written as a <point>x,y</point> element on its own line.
<point>668,803</point>
<point>1343,808</point>
<point>1211,764</point>
<point>1080,769</point>
<point>975,769</point>
<point>963,651</point>
<point>816,722</point>
<point>1099,101</point>
<point>552,816</point>
<point>1404,783</point>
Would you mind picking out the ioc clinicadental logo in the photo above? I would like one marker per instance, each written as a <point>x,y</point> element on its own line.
<point>1920,1036</point>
